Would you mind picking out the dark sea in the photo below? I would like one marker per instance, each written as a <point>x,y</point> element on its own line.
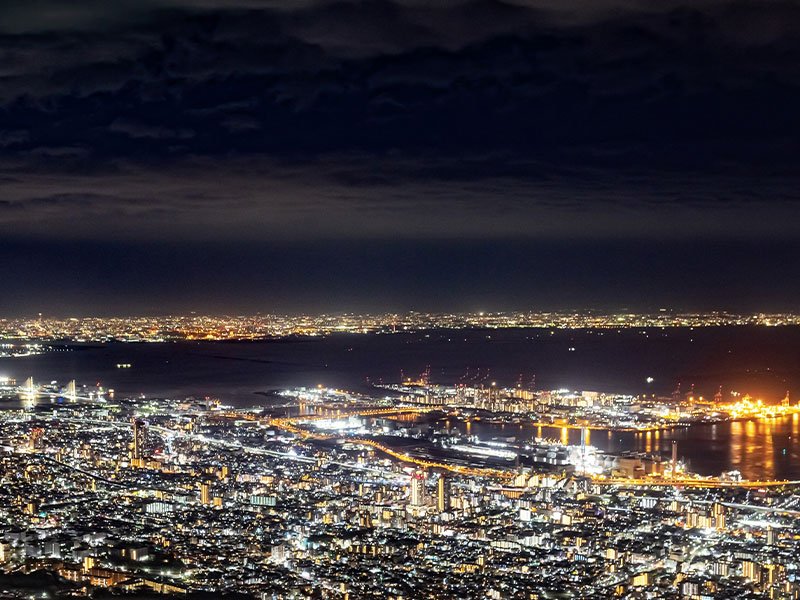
<point>761,361</point>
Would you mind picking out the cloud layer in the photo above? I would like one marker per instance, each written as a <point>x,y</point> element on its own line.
<point>447,118</point>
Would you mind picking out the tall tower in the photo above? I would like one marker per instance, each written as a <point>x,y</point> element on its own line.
<point>443,495</point>
<point>674,459</point>
<point>583,449</point>
<point>138,441</point>
<point>70,392</point>
<point>29,393</point>
<point>417,489</point>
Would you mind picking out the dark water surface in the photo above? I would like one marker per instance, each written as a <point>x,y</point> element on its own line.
<point>759,449</point>
<point>762,361</point>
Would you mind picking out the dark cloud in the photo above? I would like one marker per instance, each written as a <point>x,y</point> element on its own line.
<point>138,129</point>
<point>410,119</point>
<point>384,75</point>
<point>361,197</point>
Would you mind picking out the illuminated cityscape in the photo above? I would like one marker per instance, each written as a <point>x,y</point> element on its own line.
<point>359,496</point>
<point>256,327</point>
<point>400,300</point>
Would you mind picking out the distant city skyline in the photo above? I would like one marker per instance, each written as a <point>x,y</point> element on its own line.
<point>261,326</point>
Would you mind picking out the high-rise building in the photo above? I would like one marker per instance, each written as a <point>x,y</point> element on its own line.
<point>771,536</point>
<point>751,571</point>
<point>417,489</point>
<point>35,442</point>
<point>443,496</point>
<point>674,458</point>
<point>719,515</point>
<point>278,553</point>
<point>720,568</point>
<point>205,493</point>
<point>138,442</point>
<point>6,552</point>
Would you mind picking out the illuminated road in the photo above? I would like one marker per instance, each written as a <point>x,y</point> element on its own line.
<point>758,508</point>
<point>291,425</point>
<point>211,442</point>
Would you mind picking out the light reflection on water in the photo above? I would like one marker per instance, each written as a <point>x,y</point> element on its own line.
<point>240,374</point>
<point>758,449</point>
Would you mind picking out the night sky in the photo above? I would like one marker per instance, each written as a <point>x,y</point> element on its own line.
<point>308,155</point>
